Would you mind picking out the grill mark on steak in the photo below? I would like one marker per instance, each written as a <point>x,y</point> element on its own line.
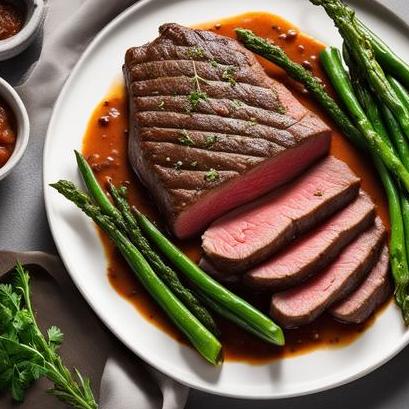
<point>303,304</point>
<point>208,123</point>
<point>314,251</point>
<point>223,143</point>
<point>173,68</point>
<point>193,181</point>
<point>250,94</point>
<point>249,235</point>
<point>212,106</point>
<point>231,161</point>
<point>161,77</point>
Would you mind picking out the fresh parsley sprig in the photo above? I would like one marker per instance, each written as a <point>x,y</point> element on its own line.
<point>27,355</point>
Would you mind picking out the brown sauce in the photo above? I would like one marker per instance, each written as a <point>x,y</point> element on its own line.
<point>11,19</point>
<point>8,131</point>
<point>105,145</point>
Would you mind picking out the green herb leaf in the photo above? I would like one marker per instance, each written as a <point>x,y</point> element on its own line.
<point>195,97</point>
<point>195,52</point>
<point>229,75</point>
<point>185,139</point>
<point>211,140</point>
<point>212,175</point>
<point>25,354</point>
<point>55,336</point>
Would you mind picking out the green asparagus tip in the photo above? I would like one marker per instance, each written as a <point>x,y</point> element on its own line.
<point>402,299</point>
<point>279,338</point>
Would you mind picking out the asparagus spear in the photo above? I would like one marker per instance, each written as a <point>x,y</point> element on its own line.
<point>296,71</point>
<point>168,275</point>
<point>398,254</point>
<point>211,289</point>
<point>389,61</point>
<point>361,50</point>
<point>125,221</point>
<point>331,60</point>
<point>200,337</point>
<point>400,91</point>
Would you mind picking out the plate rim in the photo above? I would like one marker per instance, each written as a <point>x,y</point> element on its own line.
<point>327,385</point>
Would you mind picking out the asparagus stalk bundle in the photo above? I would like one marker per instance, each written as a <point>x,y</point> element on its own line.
<point>200,337</point>
<point>125,221</point>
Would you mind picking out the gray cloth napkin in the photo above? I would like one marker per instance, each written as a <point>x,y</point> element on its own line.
<point>69,27</point>
<point>119,379</point>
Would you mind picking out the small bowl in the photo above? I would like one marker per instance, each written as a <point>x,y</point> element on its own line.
<point>34,19</point>
<point>10,96</point>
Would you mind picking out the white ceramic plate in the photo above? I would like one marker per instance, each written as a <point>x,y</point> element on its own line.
<point>82,251</point>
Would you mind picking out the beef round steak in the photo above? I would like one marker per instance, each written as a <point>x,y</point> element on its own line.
<point>302,304</point>
<point>250,234</point>
<point>209,129</point>
<point>368,296</point>
<point>313,251</point>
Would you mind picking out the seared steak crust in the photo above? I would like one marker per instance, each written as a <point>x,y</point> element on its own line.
<point>204,121</point>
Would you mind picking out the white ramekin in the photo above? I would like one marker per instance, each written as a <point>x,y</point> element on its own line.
<point>19,42</point>
<point>10,96</point>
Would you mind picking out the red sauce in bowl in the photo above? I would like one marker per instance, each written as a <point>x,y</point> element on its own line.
<point>11,19</point>
<point>8,132</point>
<point>105,146</point>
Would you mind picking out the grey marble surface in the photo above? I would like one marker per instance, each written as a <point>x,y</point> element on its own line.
<point>23,226</point>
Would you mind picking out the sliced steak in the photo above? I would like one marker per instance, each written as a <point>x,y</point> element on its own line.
<point>358,306</point>
<point>224,277</point>
<point>209,130</point>
<point>248,235</point>
<point>315,250</point>
<point>302,304</point>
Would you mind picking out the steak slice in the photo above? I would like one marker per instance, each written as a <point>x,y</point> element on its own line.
<point>370,294</point>
<point>207,266</point>
<point>315,250</point>
<point>249,235</point>
<point>209,129</point>
<point>302,304</point>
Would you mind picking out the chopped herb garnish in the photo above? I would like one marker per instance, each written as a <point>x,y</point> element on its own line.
<point>211,140</point>
<point>214,63</point>
<point>197,94</point>
<point>195,97</point>
<point>194,163</point>
<point>281,109</point>
<point>236,103</point>
<point>195,52</point>
<point>178,165</point>
<point>252,121</point>
<point>185,139</point>
<point>212,175</point>
<point>161,105</point>
<point>229,75</point>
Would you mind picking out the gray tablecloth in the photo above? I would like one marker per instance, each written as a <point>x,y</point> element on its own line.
<point>23,226</point>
